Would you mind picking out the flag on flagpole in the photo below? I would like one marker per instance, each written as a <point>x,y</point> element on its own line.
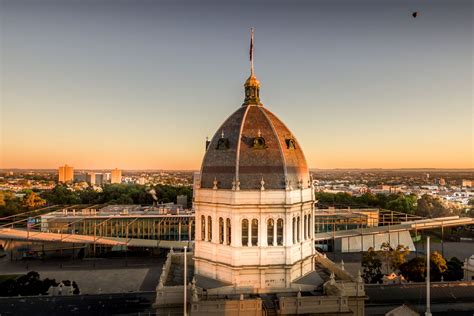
<point>251,46</point>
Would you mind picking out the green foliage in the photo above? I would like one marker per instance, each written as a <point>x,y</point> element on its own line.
<point>2,199</point>
<point>371,266</point>
<point>61,194</point>
<point>431,206</point>
<point>388,257</point>
<point>395,202</point>
<point>403,203</point>
<point>32,201</point>
<point>438,266</point>
<point>454,270</point>
<point>398,256</point>
<point>414,270</point>
<point>26,285</point>
<point>117,194</point>
<point>427,206</point>
<point>393,258</point>
<point>9,204</point>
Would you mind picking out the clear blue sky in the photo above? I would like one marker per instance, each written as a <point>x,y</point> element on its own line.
<point>140,84</point>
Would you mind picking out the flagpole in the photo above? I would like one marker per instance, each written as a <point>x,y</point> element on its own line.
<point>428,266</point>
<point>251,52</point>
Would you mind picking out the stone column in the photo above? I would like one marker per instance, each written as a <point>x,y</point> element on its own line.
<point>206,228</point>
<point>275,227</point>
<point>249,243</point>
<point>236,226</point>
<point>262,240</point>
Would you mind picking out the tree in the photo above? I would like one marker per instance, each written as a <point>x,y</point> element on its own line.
<point>2,199</point>
<point>385,255</point>
<point>117,193</point>
<point>89,196</point>
<point>403,203</point>
<point>454,270</point>
<point>371,265</point>
<point>414,270</point>
<point>398,256</point>
<point>26,285</point>
<point>437,266</point>
<point>32,201</point>
<point>431,206</point>
<point>76,288</point>
<point>395,202</point>
<point>11,204</point>
<point>61,194</point>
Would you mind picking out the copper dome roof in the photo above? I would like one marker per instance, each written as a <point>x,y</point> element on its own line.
<point>251,145</point>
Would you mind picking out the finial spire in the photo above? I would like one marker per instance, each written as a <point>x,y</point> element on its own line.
<point>252,85</point>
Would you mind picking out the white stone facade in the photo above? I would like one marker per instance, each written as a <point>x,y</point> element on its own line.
<point>254,238</point>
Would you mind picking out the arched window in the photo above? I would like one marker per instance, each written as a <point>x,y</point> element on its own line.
<point>228,231</point>
<point>203,227</point>
<point>245,232</point>
<point>209,228</point>
<point>309,226</point>
<point>305,229</point>
<point>280,232</point>
<point>298,229</point>
<point>254,232</point>
<point>221,230</point>
<point>270,228</point>
<point>294,230</point>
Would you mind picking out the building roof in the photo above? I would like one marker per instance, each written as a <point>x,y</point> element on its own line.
<point>414,293</point>
<point>402,311</point>
<point>254,145</point>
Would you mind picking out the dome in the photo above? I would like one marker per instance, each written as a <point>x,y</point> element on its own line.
<point>254,145</point>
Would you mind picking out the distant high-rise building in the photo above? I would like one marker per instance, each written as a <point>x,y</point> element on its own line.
<point>106,176</point>
<point>66,174</point>
<point>90,178</point>
<point>116,176</point>
<point>80,177</point>
<point>99,179</point>
<point>442,181</point>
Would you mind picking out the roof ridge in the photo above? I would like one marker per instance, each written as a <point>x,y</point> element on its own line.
<point>237,158</point>
<point>278,140</point>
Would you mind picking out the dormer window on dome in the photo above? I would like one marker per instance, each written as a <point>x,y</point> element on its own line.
<point>259,141</point>
<point>290,143</point>
<point>223,142</point>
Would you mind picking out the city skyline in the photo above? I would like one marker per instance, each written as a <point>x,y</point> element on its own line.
<point>140,86</point>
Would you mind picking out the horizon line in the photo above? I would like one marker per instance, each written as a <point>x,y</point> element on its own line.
<point>193,170</point>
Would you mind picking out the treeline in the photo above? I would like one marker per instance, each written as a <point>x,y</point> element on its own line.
<point>376,263</point>
<point>11,204</point>
<point>117,194</point>
<point>426,206</point>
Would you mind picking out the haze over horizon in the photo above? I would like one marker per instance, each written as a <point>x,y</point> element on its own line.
<point>139,84</point>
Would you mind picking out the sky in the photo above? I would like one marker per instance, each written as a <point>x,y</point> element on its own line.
<point>140,84</point>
